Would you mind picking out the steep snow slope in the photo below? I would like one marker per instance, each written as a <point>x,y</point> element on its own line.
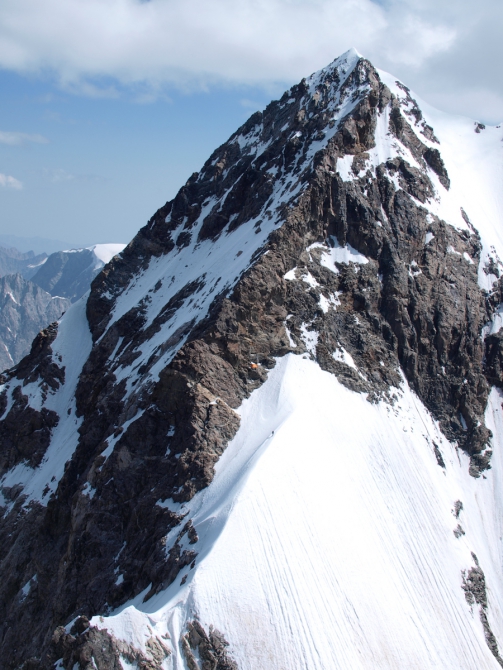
<point>71,349</point>
<point>327,537</point>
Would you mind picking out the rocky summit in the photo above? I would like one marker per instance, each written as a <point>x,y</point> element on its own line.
<point>272,434</point>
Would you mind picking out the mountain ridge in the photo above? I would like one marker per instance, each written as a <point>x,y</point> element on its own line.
<point>339,188</point>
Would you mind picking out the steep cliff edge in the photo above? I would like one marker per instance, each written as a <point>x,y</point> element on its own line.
<point>332,246</point>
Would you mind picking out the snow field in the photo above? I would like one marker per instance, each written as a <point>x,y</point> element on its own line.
<point>326,537</point>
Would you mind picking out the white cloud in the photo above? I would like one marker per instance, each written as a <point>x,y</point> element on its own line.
<point>195,41</point>
<point>18,139</point>
<point>62,176</point>
<point>59,175</point>
<point>94,46</point>
<point>6,181</point>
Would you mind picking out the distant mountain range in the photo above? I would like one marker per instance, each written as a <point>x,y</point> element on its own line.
<point>13,261</point>
<point>25,309</point>
<point>37,244</point>
<point>36,290</point>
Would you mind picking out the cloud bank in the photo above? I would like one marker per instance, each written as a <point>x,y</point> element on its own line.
<point>448,49</point>
<point>6,181</point>
<point>20,139</point>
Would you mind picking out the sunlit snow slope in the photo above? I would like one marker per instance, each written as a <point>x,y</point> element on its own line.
<point>328,537</point>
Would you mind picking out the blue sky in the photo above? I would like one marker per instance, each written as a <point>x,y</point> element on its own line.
<point>95,169</point>
<point>108,106</point>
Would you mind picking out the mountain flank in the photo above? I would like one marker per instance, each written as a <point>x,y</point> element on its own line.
<point>324,243</point>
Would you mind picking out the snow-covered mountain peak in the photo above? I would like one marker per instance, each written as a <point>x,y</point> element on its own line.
<point>340,68</point>
<point>270,435</point>
<point>102,252</point>
<point>472,153</point>
<point>105,252</point>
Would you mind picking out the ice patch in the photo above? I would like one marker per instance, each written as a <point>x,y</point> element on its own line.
<point>310,339</point>
<point>338,254</point>
<point>452,250</point>
<point>343,356</point>
<point>12,298</point>
<point>308,278</point>
<point>88,491</point>
<point>291,341</point>
<point>28,586</point>
<point>414,270</point>
<point>331,301</point>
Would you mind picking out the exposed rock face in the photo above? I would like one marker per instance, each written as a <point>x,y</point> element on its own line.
<point>88,647</point>
<point>69,273</point>
<point>474,586</point>
<point>24,310</point>
<point>210,648</point>
<point>13,262</point>
<point>348,265</point>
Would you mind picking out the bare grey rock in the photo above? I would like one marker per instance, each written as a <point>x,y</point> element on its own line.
<point>13,261</point>
<point>25,309</point>
<point>474,586</point>
<point>68,274</point>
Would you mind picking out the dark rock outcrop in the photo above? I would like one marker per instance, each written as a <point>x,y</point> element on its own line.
<point>25,432</point>
<point>210,648</point>
<point>474,586</point>
<point>87,647</point>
